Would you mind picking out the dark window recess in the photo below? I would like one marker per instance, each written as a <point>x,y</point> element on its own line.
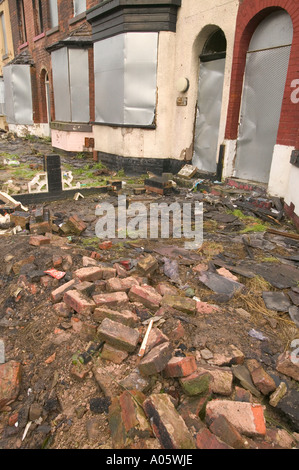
<point>21,21</point>
<point>215,47</point>
<point>38,16</point>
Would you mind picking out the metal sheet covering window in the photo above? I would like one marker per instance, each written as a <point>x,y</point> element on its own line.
<point>264,84</point>
<point>208,113</point>
<point>18,94</point>
<point>71,84</point>
<point>125,79</point>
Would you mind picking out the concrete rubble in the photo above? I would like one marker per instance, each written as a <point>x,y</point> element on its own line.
<point>204,382</point>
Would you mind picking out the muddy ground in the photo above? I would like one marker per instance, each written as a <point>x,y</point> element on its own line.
<point>45,343</point>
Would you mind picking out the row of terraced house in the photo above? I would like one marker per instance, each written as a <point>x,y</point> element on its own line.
<point>155,84</point>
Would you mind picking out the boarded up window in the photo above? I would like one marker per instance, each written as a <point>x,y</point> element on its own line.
<point>18,94</point>
<point>125,79</point>
<point>71,84</point>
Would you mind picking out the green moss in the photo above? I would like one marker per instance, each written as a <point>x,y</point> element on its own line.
<point>256,227</point>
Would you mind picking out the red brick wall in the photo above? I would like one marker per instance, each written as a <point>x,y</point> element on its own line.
<point>250,14</point>
<point>36,47</point>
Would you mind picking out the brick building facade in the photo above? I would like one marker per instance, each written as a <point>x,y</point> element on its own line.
<point>38,26</point>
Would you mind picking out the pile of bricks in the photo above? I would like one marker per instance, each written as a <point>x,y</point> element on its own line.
<point>206,404</point>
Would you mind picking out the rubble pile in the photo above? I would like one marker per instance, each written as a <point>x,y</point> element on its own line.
<point>143,344</point>
<point>127,345</point>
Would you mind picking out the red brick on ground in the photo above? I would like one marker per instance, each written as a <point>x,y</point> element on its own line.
<point>156,360</point>
<point>207,440</point>
<point>169,427</point>
<point>10,380</point>
<point>118,335</point>
<point>93,273</point>
<point>146,295</point>
<point>180,366</point>
<point>39,240</point>
<point>57,294</point>
<point>77,301</point>
<point>124,316</point>
<point>113,299</point>
<point>246,417</point>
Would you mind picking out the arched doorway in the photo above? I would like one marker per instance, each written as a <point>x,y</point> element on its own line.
<point>263,89</point>
<point>209,102</point>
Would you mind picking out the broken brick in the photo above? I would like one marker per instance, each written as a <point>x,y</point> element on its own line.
<point>86,261</point>
<point>168,426</point>
<point>57,294</point>
<point>179,332</point>
<point>127,420</point>
<point>184,304</point>
<point>165,289</point>
<point>180,366</point>
<point>196,383</point>
<point>108,273</point>
<point>118,335</point>
<point>39,240</point>
<point>62,309</point>
<point>105,245</point>
<point>126,317</point>
<point>86,288</point>
<point>261,379</point>
<point>207,440</point>
<point>286,366</point>
<point>121,285</point>
<point>246,417</point>
<point>10,380</point>
<point>205,308</point>
<point>156,360</point>
<point>147,265</point>
<point>113,299</point>
<point>155,338</point>
<point>41,228</point>
<point>77,301</point>
<point>222,382</point>
<point>89,274</point>
<point>74,225</point>
<point>79,371</point>
<point>230,356</point>
<point>227,432</point>
<point>120,271</point>
<point>146,295</point>
<point>57,261</point>
<point>109,353</point>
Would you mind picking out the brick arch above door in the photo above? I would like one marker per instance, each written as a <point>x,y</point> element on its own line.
<point>249,17</point>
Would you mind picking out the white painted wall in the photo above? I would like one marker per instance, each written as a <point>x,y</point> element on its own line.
<point>39,130</point>
<point>292,192</point>
<point>69,141</point>
<point>280,171</point>
<point>196,21</point>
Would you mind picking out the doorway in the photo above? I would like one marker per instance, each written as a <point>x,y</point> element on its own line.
<point>209,102</point>
<point>264,83</point>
